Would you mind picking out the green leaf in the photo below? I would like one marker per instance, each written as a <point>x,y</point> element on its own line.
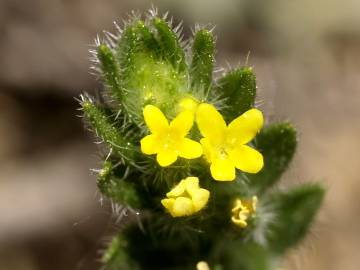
<point>104,128</point>
<point>202,61</point>
<point>148,39</point>
<point>294,212</point>
<point>277,143</point>
<point>170,45</point>
<point>125,50</point>
<point>110,68</point>
<point>120,190</point>
<point>116,257</point>
<point>239,89</point>
<point>149,70</point>
<point>136,38</point>
<point>245,256</point>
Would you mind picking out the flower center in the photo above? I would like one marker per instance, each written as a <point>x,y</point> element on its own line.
<point>222,153</point>
<point>170,141</point>
<point>167,141</point>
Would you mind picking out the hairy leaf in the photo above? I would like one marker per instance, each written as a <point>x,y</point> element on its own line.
<point>104,128</point>
<point>170,45</point>
<point>294,212</point>
<point>202,61</point>
<point>277,143</point>
<point>238,87</point>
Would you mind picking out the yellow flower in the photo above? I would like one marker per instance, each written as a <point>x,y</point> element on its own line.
<point>168,140</point>
<point>225,146</point>
<point>186,198</point>
<point>243,210</point>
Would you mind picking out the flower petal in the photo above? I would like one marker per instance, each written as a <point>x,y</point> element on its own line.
<point>155,119</point>
<point>190,149</point>
<point>247,159</point>
<point>149,144</point>
<point>182,207</point>
<point>192,184</point>
<point>200,198</point>
<point>244,128</point>
<point>211,123</point>
<point>182,124</point>
<point>178,190</point>
<point>166,157</point>
<point>168,203</point>
<point>208,149</point>
<point>223,170</point>
<point>241,223</point>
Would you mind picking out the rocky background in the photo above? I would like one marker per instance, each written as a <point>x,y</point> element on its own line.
<point>307,58</point>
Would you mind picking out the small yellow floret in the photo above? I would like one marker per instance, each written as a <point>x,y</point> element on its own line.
<point>168,140</point>
<point>202,266</point>
<point>186,198</point>
<point>243,210</point>
<point>225,146</point>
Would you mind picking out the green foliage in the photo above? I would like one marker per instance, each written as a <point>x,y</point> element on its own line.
<point>110,69</point>
<point>238,87</point>
<point>120,190</point>
<point>249,256</point>
<point>202,61</point>
<point>157,248</point>
<point>170,44</point>
<point>116,257</point>
<point>295,211</point>
<point>147,63</point>
<point>104,128</point>
<point>277,142</point>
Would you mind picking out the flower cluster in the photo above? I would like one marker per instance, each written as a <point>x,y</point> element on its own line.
<point>223,146</point>
<point>184,151</point>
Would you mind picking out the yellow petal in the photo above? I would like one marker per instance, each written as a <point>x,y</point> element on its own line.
<point>244,214</point>
<point>168,203</point>
<point>178,190</point>
<point>208,149</point>
<point>191,184</point>
<point>149,144</point>
<point>237,206</point>
<point>223,170</point>
<point>166,157</point>
<point>244,128</point>
<point>247,159</point>
<point>155,119</point>
<point>182,207</point>
<point>182,124</point>
<point>200,198</point>
<point>211,123</point>
<point>239,222</point>
<point>190,149</point>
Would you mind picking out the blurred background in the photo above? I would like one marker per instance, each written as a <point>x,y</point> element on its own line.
<point>306,55</point>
